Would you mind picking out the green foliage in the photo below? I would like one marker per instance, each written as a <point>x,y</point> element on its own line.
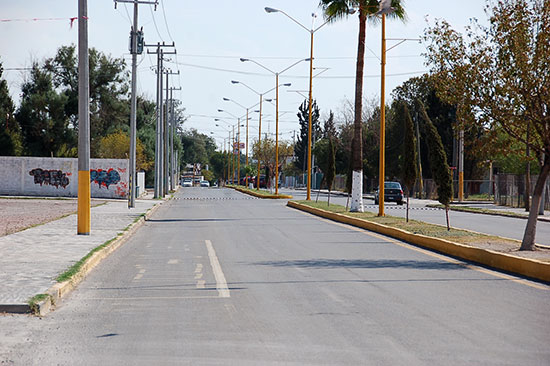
<point>409,173</point>
<point>440,169</point>
<point>44,124</point>
<point>197,147</point>
<point>10,134</point>
<point>109,84</point>
<point>300,148</point>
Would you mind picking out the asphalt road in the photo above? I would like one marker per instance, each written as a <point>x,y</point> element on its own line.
<point>507,227</point>
<point>218,278</point>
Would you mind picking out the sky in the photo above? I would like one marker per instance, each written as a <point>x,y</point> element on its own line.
<point>210,38</point>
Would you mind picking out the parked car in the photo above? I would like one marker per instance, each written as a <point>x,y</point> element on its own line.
<point>262,181</point>
<point>205,183</point>
<point>392,193</point>
<point>187,182</point>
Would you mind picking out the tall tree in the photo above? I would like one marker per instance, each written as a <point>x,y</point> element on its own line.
<point>499,77</point>
<point>41,115</point>
<point>10,134</point>
<point>300,148</point>
<point>409,173</point>
<point>438,159</point>
<point>337,9</point>
<point>109,105</point>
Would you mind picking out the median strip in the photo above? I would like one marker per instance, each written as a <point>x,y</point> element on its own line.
<point>260,193</point>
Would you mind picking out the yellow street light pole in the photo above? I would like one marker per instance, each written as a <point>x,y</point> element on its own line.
<point>276,113</point>
<point>381,176</point>
<point>310,120</point>
<point>259,144</point>
<point>312,32</point>
<point>239,151</point>
<point>246,179</point>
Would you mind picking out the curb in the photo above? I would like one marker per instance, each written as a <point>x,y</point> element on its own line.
<point>259,195</point>
<point>525,267</point>
<point>59,290</point>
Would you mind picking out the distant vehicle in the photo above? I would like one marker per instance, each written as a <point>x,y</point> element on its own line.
<point>187,182</point>
<point>262,181</point>
<point>205,183</point>
<point>392,193</point>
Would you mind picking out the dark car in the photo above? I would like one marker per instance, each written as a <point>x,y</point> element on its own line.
<point>262,181</point>
<point>392,193</point>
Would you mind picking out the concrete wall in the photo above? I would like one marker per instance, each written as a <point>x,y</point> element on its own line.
<point>58,177</point>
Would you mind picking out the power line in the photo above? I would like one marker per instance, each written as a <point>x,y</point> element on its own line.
<point>292,76</point>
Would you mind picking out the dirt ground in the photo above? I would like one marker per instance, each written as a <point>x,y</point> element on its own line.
<point>17,214</point>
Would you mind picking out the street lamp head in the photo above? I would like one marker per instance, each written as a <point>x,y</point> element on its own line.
<point>220,110</point>
<point>235,82</point>
<point>287,84</point>
<point>244,59</point>
<point>352,11</point>
<point>226,99</point>
<point>307,59</point>
<point>268,100</point>
<point>271,10</point>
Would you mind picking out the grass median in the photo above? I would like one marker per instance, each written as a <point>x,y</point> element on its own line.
<point>262,193</point>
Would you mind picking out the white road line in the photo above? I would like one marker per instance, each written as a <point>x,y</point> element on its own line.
<point>198,276</point>
<point>201,283</point>
<point>173,261</point>
<point>221,284</point>
<point>138,276</point>
<point>198,269</point>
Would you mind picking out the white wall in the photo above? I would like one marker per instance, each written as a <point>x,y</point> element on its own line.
<point>58,177</point>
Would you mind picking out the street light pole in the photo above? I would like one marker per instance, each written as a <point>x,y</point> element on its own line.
<point>276,113</point>
<point>381,175</point>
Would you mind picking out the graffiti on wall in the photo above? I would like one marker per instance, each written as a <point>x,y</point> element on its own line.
<point>54,177</point>
<point>104,178</point>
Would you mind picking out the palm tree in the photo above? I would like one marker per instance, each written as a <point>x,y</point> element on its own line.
<point>335,10</point>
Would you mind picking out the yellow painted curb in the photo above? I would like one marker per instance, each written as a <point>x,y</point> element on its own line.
<point>259,195</point>
<point>525,267</point>
<point>59,290</point>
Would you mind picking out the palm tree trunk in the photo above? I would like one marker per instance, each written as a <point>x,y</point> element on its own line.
<point>447,216</point>
<point>408,195</point>
<point>357,152</point>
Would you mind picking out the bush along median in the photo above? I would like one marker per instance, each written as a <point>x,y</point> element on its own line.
<point>491,251</point>
<point>261,193</point>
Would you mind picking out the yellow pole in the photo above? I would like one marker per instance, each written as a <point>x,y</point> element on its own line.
<point>233,157</point>
<point>309,124</point>
<point>259,145</point>
<point>84,201</point>
<point>382,162</point>
<point>461,166</point>
<point>246,146</point>
<point>228,156</point>
<point>277,134</point>
<point>239,151</point>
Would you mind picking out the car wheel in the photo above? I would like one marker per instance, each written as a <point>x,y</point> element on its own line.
<point>375,201</point>
<point>400,203</point>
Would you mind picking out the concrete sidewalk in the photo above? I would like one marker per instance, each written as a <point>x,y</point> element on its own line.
<point>31,259</point>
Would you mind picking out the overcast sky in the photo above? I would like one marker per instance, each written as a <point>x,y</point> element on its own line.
<point>211,36</point>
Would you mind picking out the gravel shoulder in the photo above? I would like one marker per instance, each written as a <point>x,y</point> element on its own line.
<point>17,214</point>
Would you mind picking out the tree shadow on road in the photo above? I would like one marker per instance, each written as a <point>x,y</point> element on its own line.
<point>364,263</point>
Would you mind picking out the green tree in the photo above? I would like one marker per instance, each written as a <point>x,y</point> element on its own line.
<point>499,77</point>
<point>409,173</point>
<point>337,9</point>
<point>300,148</point>
<point>10,133</point>
<point>197,147</point>
<point>109,85</point>
<point>440,169</point>
<point>44,124</point>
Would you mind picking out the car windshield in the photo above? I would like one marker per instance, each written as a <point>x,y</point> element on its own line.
<point>392,185</point>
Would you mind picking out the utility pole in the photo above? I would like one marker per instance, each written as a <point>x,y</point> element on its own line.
<point>136,47</point>
<point>172,136</point>
<point>159,189</point>
<point>166,129</point>
<point>84,190</point>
